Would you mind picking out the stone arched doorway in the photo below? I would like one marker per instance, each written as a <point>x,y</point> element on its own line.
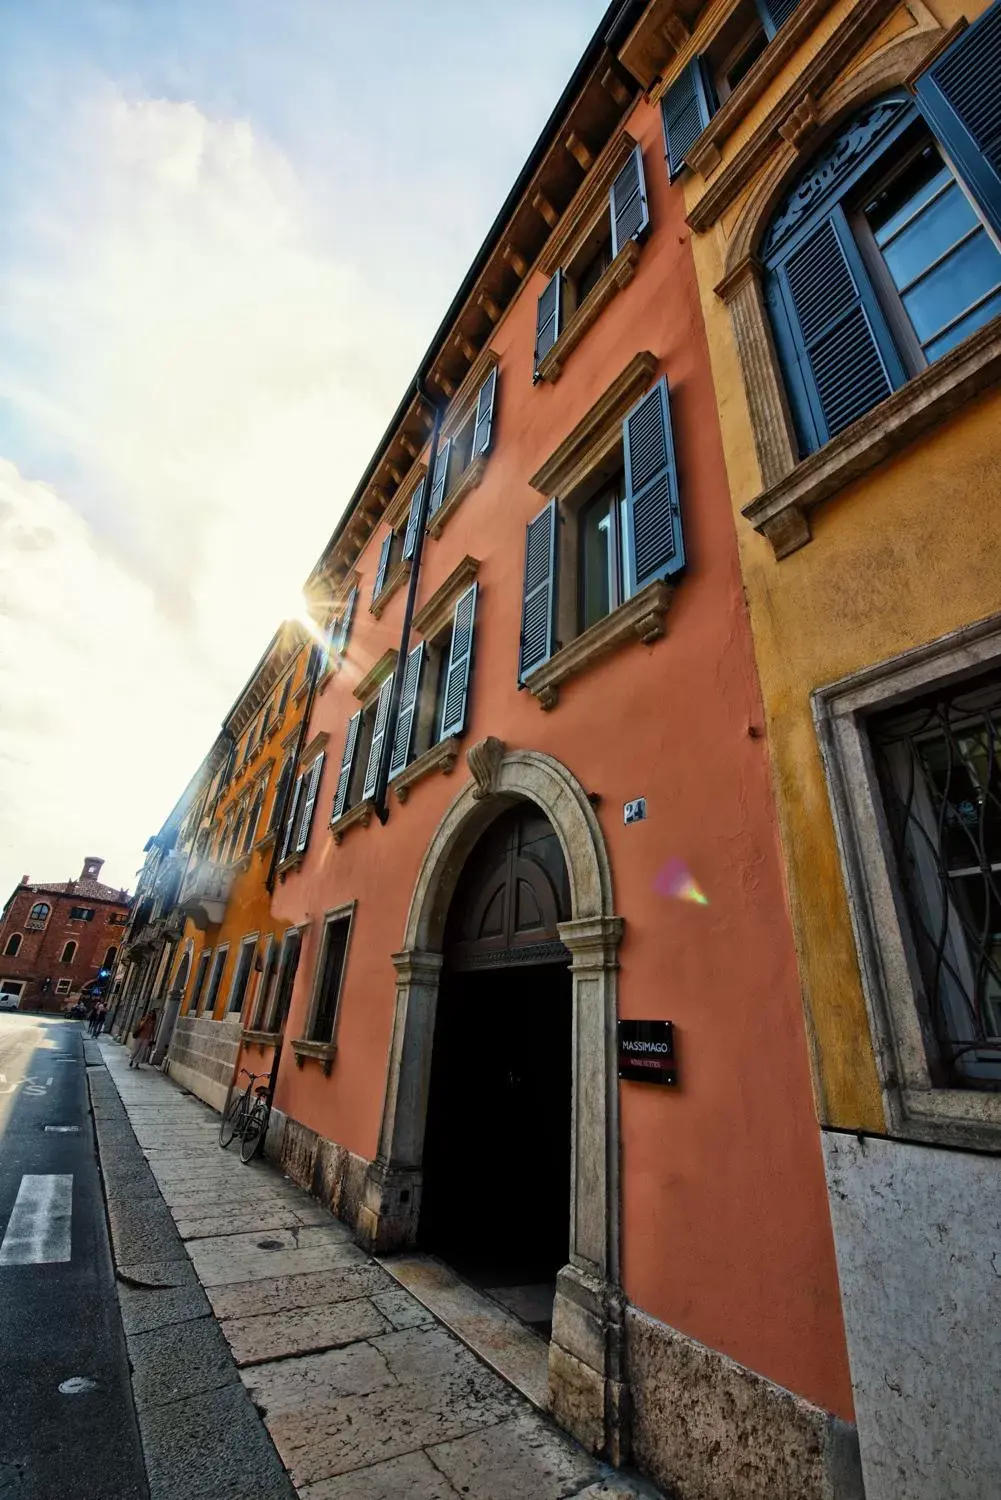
<point>587,1386</point>
<point>495,1169</point>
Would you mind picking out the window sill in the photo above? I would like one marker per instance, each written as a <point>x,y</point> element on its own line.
<point>290,864</point>
<point>301,690</point>
<point>781,513</point>
<point>468,482</point>
<point>321,1052</point>
<point>969,1118</point>
<point>275,725</point>
<point>260,1039</point>
<point>391,585</point>
<point>641,617</point>
<point>618,276</point>
<point>359,815</point>
<point>441,757</point>
<point>267,840</point>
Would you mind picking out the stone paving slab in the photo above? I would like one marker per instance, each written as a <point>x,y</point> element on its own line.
<point>306,1330</point>
<point>314,1288</point>
<point>520,1457</point>
<point>413,1476</point>
<point>364,1393</point>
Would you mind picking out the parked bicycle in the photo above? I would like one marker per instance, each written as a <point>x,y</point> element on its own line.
<point>247,1116</point>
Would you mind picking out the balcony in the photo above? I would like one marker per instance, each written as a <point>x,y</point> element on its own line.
<point>205,892</point>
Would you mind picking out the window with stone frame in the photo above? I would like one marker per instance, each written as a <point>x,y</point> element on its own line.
<point>215,981</point>
<point>363,739</point>
<point>329,976</point>
<point>912,750</point>
<point>241,975</point>
<point>13,945</point>
<point>201,973</point>
<point>280,993</point>
<point>63,986</point>
<point>466,439</point>
<point>68,954</point>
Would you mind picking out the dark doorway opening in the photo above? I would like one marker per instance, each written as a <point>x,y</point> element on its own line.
<point>496,1178</point>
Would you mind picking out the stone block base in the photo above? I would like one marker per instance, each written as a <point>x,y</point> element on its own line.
<point>202,1056</point>
<point>332,1173</point>
<point>707,1428</point>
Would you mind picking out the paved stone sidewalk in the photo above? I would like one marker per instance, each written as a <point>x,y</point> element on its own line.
<point>364,1394</point>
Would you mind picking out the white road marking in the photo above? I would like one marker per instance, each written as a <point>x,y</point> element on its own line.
<point>62,1129</point>
<point>49,1082</point>
<point>38,1232</point>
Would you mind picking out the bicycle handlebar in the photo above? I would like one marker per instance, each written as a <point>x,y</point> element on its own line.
<point>253,1076</point>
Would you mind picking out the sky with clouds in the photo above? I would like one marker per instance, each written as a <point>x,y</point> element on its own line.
<point>228,230</point>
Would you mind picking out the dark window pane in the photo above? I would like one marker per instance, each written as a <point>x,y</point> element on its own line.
<point>987,309</point>
<point>595,561</point>
<point>962,279</point>
<point>897,203</point>
<point>335,948</point>
<point>929,235</point>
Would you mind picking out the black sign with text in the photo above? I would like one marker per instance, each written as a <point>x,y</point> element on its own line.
<point>646,1052</point>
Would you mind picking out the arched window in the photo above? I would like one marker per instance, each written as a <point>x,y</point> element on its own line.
<point>877,264</point>
<point>109,957</point>
<point>68,953</point>
<point>13,945</point>
<point>39,912</point>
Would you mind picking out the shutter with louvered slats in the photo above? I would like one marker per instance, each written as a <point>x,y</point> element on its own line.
<point>774,13</point>
<point>344,632</point>
<point>843,359</point>
<point>309,803</point>
<point>654,543</point>
<point>460,659</point>
<point>960,94</point>
<point>538,608</point>
<point>403,740</point>
<point>347,766</point>
<point>630,213</point>
<point>290,821</point>
<point>380,572</point>
<point>548,319</point>
<point>440,478</point>
<point>686,110</point>
<point>410,537</point>
<point>378,735</point>
<point>483,428</point>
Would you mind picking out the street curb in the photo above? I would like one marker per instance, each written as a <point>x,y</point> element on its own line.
<point>180,1365</point>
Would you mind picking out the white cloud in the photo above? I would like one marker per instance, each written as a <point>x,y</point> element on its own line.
<point>204,384</point>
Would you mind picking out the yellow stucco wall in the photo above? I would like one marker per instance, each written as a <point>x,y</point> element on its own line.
<point>905,556</point>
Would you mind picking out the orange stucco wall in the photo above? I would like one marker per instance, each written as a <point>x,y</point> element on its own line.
<point>725,1227</point>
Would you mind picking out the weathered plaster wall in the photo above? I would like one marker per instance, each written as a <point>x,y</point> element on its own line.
<point>725,1228</point>
<point>919,1251</point>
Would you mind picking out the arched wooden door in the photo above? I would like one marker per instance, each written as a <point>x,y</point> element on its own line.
<point>512,893</point>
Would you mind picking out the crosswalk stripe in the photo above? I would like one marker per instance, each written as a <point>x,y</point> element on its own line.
<point>38,1231</point>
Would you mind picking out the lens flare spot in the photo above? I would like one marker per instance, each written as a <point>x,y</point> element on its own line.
<point>676,880</point>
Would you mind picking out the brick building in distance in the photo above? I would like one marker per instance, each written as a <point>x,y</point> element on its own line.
<point>55,937</point>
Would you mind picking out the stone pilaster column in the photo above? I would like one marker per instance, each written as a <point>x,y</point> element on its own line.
<point>390,1210</point>
<point>770,419</point>
<point>587,1384</point>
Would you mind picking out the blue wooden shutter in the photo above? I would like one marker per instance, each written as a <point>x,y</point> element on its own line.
<point>627,203</point>
<point>686,110</point>
<point>961,96</point>
<point>774,13</point>
<point>460,660</point>
<point>378,735</point>
<point>483,429</point>
<point>344,633</point>
<point>410,537</point>
<point>548,319</point>
<point>655,546</point>
<point>380,572</point>
<point>403,740</point>
<point>538,608</point>
<point>839,358</point>
<point>309,803</point>
<point>290,820</point>
<point>440,476</point>
<point>347,766</point>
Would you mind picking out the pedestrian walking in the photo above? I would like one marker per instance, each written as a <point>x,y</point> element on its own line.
<point>142,1039</point>
<point>97,1016</point>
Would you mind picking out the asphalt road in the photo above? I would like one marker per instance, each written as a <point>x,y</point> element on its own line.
<point>59,1318</point>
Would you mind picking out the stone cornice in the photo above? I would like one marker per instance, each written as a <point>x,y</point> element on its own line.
<point>781,513</point>
<point>358,816</point>
<point>469,482</point>
<point>376,675</point>
<point>817,75</point>
<point>640,618</point>
<point>433,616</point>
<point>441,757</point>
<point>618,276</point>
<point>394,579</point>
<point>591,198</point>
<point>561,470</point>
<point>316,744</point>
<point>261,685</point>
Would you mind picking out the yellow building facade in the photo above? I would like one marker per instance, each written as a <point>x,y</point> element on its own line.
<point>841,177</point>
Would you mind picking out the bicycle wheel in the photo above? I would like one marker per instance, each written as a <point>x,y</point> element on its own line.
<point>254,1131</point>
<point>232,1119</point>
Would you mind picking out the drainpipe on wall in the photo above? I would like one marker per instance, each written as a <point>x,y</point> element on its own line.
<point>389,738</point>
